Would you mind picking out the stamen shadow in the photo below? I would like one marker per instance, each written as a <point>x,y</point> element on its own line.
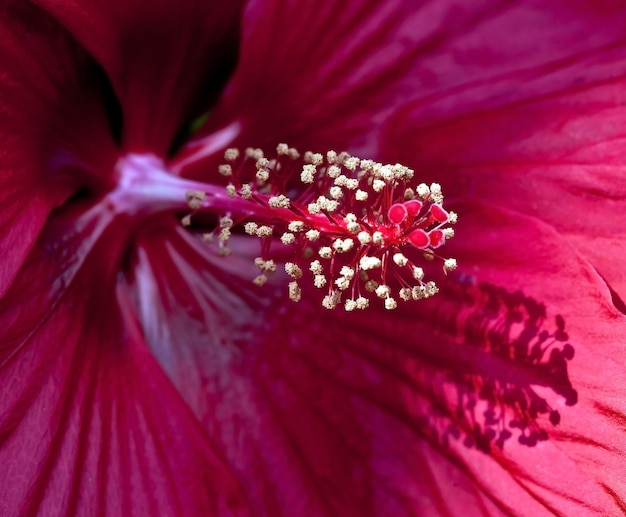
<point>502,357</point>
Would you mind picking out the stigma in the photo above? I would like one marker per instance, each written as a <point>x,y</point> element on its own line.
<point>357,230</point>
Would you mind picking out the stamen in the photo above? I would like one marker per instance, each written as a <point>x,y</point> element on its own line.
<point>369,223</point>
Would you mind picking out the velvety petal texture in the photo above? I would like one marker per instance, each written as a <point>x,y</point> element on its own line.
<point>552,149</point>
<point>51,121</point>
<point>167,61</point>
<point>90,423</point>
<point>143,373</point>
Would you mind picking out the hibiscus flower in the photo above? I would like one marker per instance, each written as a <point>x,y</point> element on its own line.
<point>143,371</point>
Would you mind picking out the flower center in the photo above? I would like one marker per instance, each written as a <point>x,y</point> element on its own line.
<point>356,228</point>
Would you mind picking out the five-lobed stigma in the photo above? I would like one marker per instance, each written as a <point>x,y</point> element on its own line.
<point>356,228</point>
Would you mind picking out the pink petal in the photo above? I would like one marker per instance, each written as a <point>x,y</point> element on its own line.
<point>165,60</point>
<point>392,413</point>
<point>90,424</point>
<point>51,122</point>
<point>553,148</point>
<point>322,77</point>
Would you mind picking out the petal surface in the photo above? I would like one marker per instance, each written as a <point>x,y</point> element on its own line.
<point>541,132</point>
<point>503,386</point>
<point>51,122</point>
<point>90,423</point>
<point>166,62</point>
<point>322,77</point>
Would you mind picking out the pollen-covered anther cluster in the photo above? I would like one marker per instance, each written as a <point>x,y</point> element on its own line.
<point>357,228</point>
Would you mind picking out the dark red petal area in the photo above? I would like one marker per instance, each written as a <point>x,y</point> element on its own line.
<point>167,60</point>
<point>431,409</point>
<point>324,76</point>
<point>90,423</point>
<point>51,121</point>
<point>542,132</point>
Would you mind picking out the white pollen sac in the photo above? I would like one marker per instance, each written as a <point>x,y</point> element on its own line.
<point>325,252</point>
<point>308,173</point>
<point>352,184</point>
<point>342,283</point>
<point>368,263</point>
<point>330,205</point>
<point>452,217</point>
<point>418,273</point>
<point>251,228</point>
<point>353,227</point>
<point>316,267</point>
<point>349,305</point>
<point>382,291</point>
<point>293,270</point>
<point>378,185</point>
<point>423,191</point>
<point>361,195</point>
<point>364,237</point>
<point>262,163</point>
<point>343,245</point>
<point>319,281</point>
<point>225,170</point>
<point>314,158</point>
<point>362,303</point>
<point>260,280</point>
<point>195,198</point>
<point>378,239</point>
<point>281,201</point>
<point>435,193</point>
<point>341,180</point>
<point>313,208</point>
<point>226,222</point>
<point>264,231</point>
<point>246,191</point>
<point>262,175</point>
<point>295,293</point>
<point>231,190</point>
<point>406,294</point>
<point>409,194</point>
<point>351,163</point>
<point>224,251</point>
<point>282,149</point>
<point>347,271</point>
<point>448,233</point>
<point>295,226</point>
<point>312,235</point>
<point>449,265</point>
<point>293,153</point>
<point>400,259</point>
<point>390,304</point>
<point>231,154</point>
<point>224,235</point>
<point>330,301</point>
<point>255,154</point>
<point>366,165</point>
<point>386,173</point>
<point>350,218</point>
<point>333,172</point>
<point>336,192</point>
<point>287,238</point>
<point>331,156</point>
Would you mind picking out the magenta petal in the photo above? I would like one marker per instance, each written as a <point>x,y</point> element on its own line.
<point>51,122</point>
<point>507,390</point>
<point>325,76</point>
<point>90,424</point>
<point>552,149</point>
<point>165,60</point>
